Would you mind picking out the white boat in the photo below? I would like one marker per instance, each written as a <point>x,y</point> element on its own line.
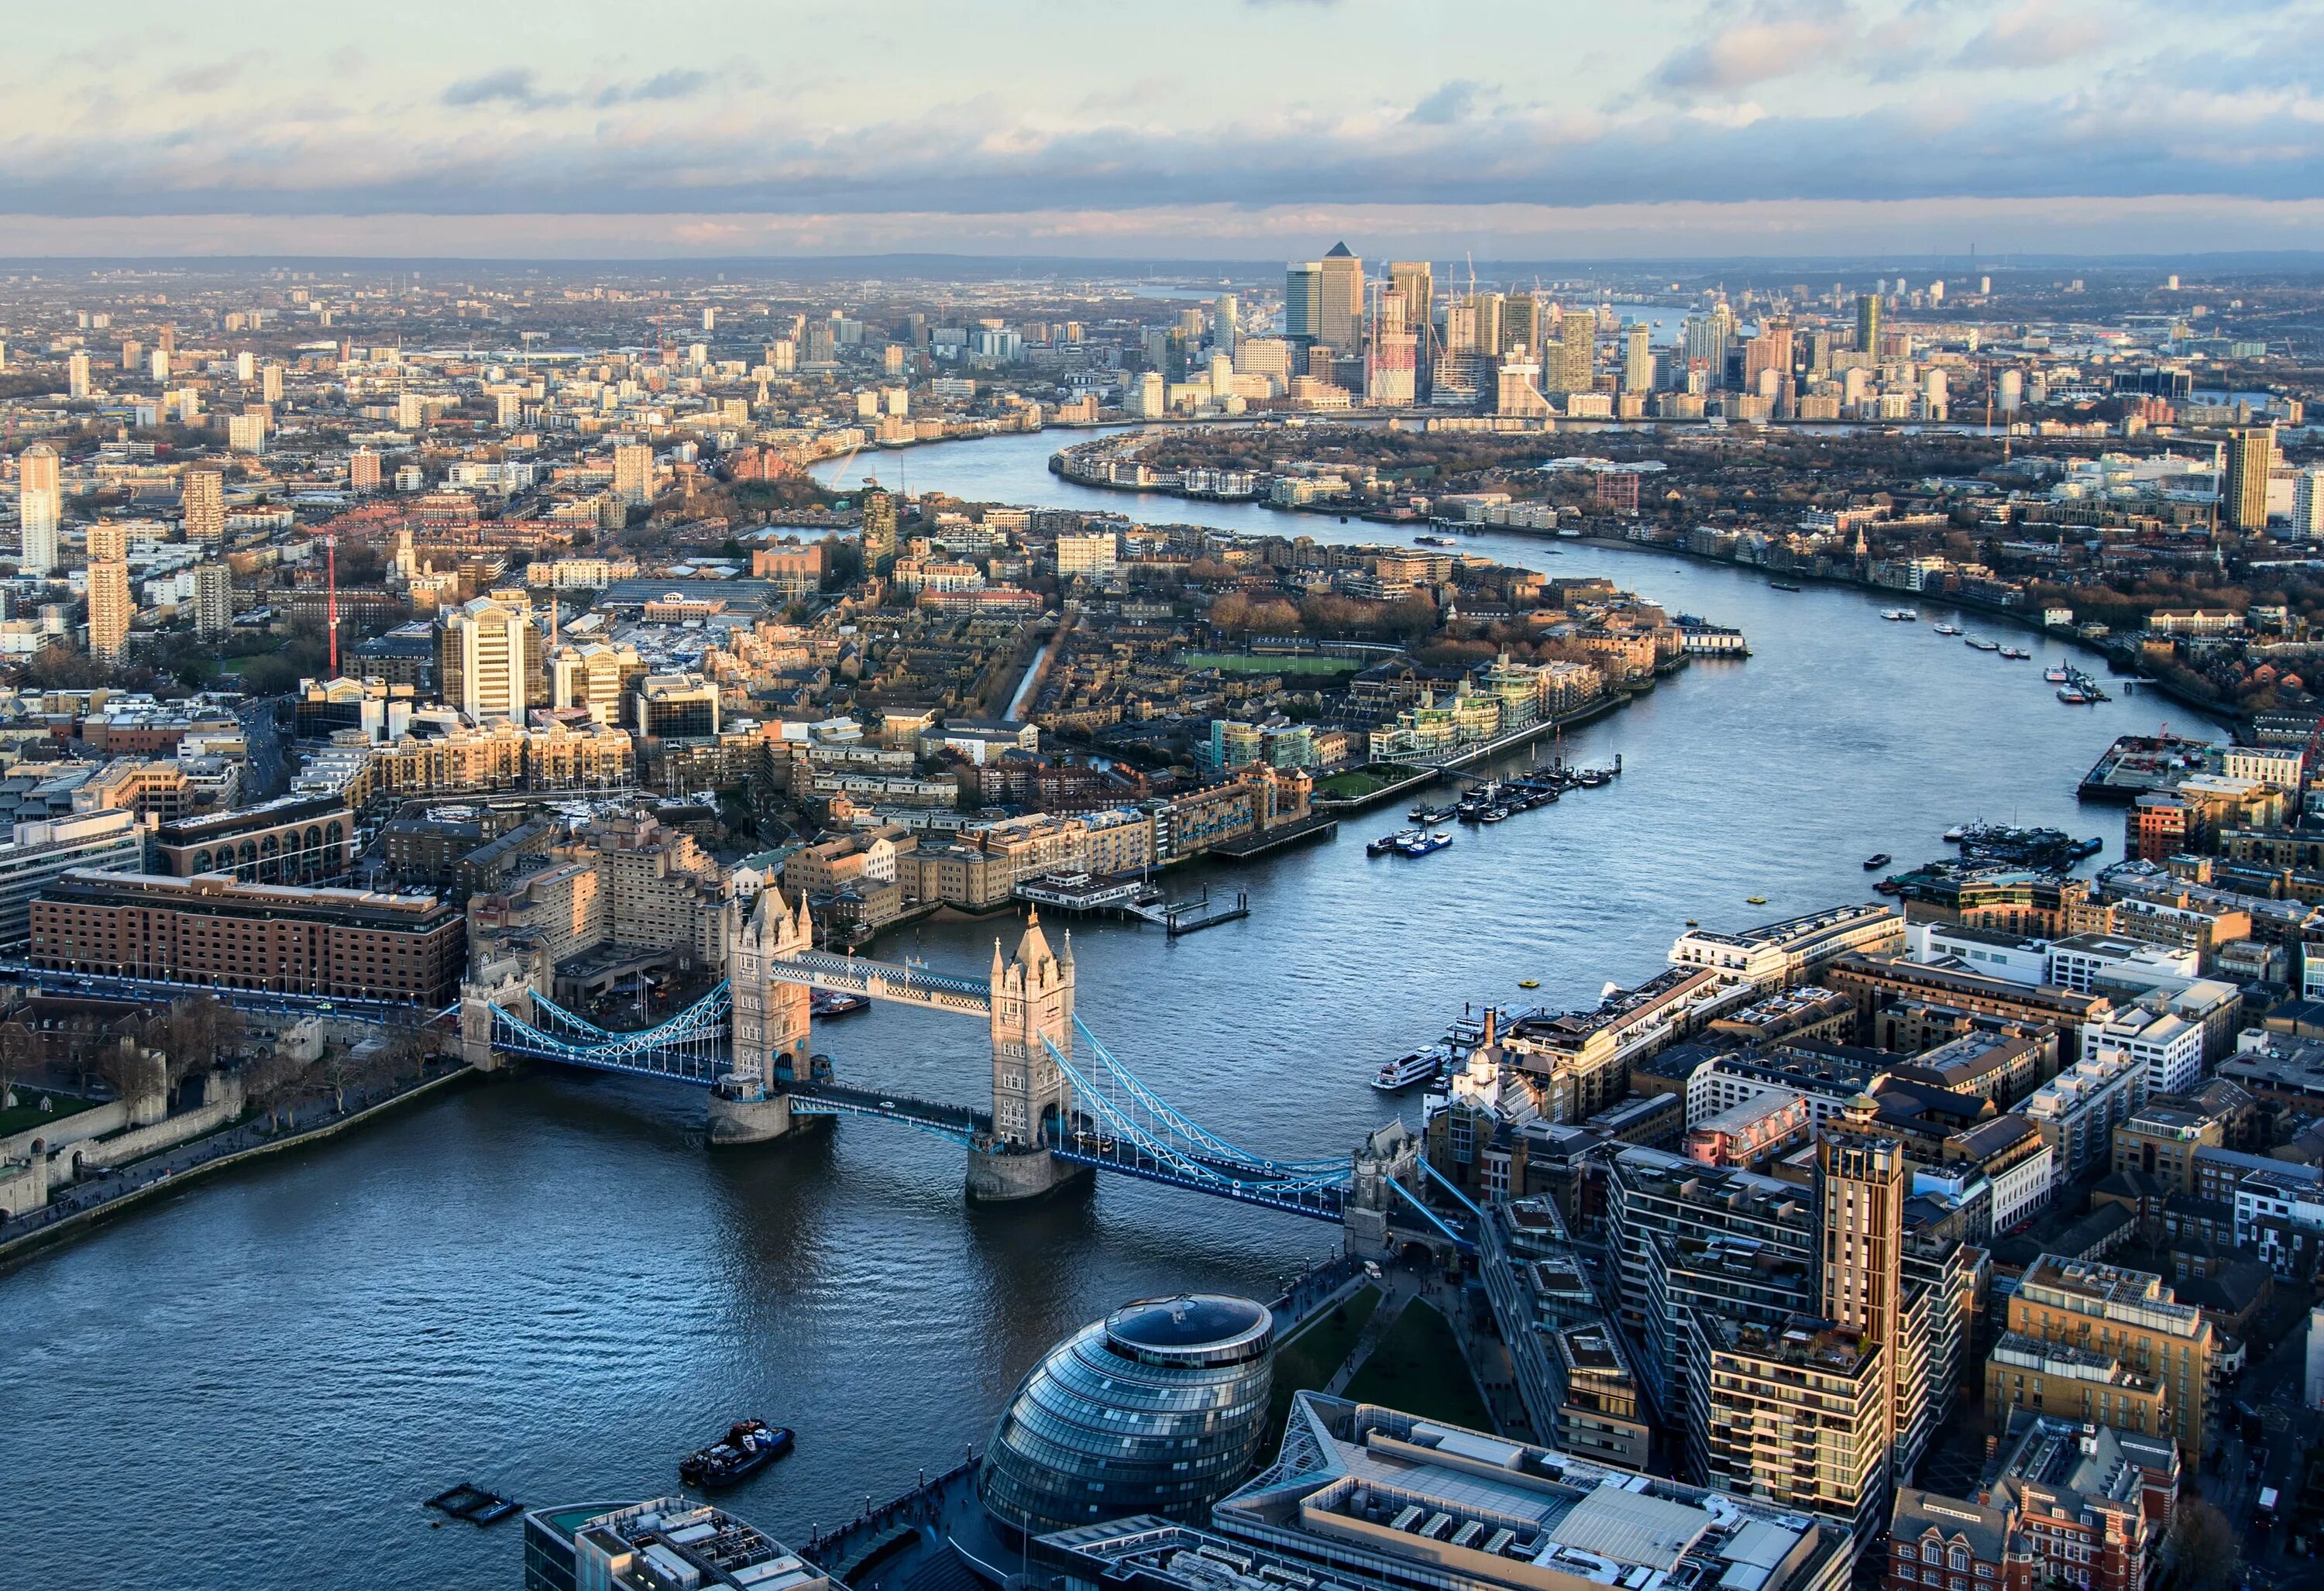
<point>2055,676</point>
<point>1899,615</point>
<point>1947,629</point>
<point>1420,1066</point>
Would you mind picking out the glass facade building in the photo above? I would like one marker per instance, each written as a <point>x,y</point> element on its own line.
<point>1158,1408</point>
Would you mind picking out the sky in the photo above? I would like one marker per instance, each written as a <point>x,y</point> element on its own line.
<point>1173,129</point>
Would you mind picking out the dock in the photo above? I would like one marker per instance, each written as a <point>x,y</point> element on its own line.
<point>1077,894</point>
<point>1268,843</point>
<point>1192,916</point>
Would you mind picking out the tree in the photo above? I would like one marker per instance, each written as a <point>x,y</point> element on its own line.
<point>271,1081</point>
<point>193,1033</point>
<point>407,1047</point>
<point>2204,1544</point>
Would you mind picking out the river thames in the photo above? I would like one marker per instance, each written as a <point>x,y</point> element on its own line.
<point>548,1286</point>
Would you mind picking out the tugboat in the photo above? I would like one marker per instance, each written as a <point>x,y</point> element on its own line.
<point>748,1447</point>
<point>1879,859</point>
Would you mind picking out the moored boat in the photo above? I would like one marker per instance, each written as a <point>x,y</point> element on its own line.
<point>748,1446</point>
<point>1422,844</point>
<point>1419,1066</point>
<point>1879,859</point>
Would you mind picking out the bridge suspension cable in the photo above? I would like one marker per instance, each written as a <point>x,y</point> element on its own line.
<point>1165,1111</point>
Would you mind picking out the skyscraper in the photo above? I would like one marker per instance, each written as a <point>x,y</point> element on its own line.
<point>2242,488</point>
<point>212,600</point>
<point>1868,323</point>
<point>634,474</point>
<point>109,607</point>
<point>1861,1183</point>
<point>1226,322</point>
<point>1340,312</point>
<point>1521,323</point>
<point>1577,345</point>
<point>488,658</point>
<point>1637,359</point>
<point>879,529</point>
<point>1491,336</point>
<point>40,502</point>
<point>203,498</point>
<point>1302,301</point>
<point>1417,283</point>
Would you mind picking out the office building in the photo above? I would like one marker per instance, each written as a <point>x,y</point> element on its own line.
<point>634,474</point>
<point>289,939</point>
<point>40,852</point>
<point>110,606</point>
<point>2131,1318</point>
<point>1158,1408</point>
<point>1370,1496</point>
<point>2242,488</point>
<point>1340,307</point>
<point>677,707</point>
<point>202,495</point>
<point>662,1545</point>
<point>488,659</point>
<point>1416,282</point>
<point>40,505</point>
<point>1868,323</point>
<point>1302,302</point>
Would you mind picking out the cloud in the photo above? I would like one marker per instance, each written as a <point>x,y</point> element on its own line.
<point>1772,41</point>
<point>2035,33</point>
<point>511,86</point>
<point>679,83</point>
<point>1455,100</point>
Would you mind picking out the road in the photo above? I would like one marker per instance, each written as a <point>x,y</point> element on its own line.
<point>268,770</point>
<point>2275,1388</point>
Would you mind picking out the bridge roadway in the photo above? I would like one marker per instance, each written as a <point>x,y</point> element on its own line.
<point>883,980</point>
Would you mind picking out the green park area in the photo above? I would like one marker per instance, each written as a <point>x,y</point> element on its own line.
<point>1353,784</point>
<point>1311,1357</point>
<point>1246,663</point>
<point>27,1112</point>
<point>1419,1369</point>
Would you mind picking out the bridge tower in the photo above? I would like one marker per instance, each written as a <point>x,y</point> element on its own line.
<point>1032,1001</point>
<point>502,980</point>
<point>771,1019</point>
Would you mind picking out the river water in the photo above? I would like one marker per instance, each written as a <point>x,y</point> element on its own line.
<point>548,1286</point>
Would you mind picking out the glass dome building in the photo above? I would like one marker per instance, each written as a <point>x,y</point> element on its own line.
<point>1160,1408</point>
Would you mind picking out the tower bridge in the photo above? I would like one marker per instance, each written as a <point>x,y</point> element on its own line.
<point>1062,1105</point>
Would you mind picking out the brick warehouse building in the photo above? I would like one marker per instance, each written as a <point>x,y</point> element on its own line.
<point>209,929</point>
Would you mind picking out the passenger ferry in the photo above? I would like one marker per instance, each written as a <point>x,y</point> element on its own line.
<point>1899,615</point>
<point>1420,1066</point>
<point>1947,629</point>
<point>2016,654</point>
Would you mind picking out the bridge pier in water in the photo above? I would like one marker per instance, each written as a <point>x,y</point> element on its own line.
<point>1062,1104</point>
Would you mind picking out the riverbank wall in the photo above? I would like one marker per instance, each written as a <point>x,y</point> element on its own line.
<point>81,1222</point>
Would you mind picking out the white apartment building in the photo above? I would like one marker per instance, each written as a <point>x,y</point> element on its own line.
<point>1777,955</point>
<point>2167,1045</point>
<point>2077,1110</point>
